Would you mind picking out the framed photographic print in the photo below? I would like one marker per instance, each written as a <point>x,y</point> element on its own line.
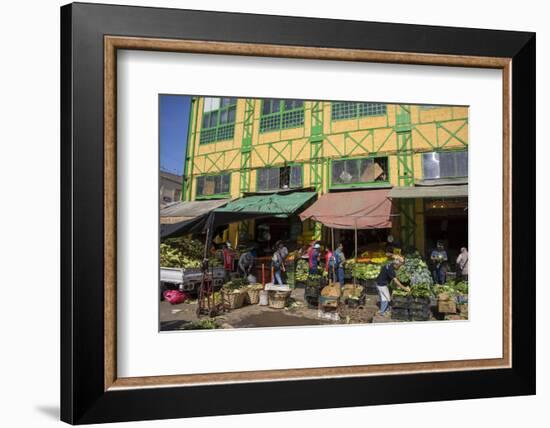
<point>333,213</point>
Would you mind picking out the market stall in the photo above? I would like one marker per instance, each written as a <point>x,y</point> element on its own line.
<point>184,217</point>
<point>355,210</point>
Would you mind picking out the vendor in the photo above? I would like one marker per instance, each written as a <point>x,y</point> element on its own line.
<point>385,277</point>
<point>246,262</point>
<point>439,258</point>
<point>278,263</point>
<point>392,246</point>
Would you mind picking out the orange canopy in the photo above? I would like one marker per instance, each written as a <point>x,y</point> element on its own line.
<point>363,209</point>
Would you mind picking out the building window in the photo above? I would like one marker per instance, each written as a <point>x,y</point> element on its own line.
<point>359,171</point>
<point>429,107</point>
<point>213,185</point>
<point>445,164</point>
<point>351,110</point>
<point>218,119</point>
<point>271,179</point>
<point>281,114</point>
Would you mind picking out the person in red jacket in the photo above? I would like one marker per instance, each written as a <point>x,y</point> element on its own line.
<point>228,256</point>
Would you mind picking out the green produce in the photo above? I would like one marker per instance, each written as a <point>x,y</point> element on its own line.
<point>399,293</point>
<point>414,271</point>
<point>172,257</point>
<point>204,324</point>
<point>421,291</point>
<point>191,248</point>
<point>302,270</point>
<point>365,271</point>
<point>236,284</point>
<point>461,287</point>
<point>439,289</point>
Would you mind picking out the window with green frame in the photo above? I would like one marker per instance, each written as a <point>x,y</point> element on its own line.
<point>359,171</point>
<point>281,114</point>
<point>286,177</point>
<point>218,119</point>
<point>352,110</point>
<point>449,164</point>
<point>212,185</point>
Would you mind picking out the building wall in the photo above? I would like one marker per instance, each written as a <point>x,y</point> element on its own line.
<point>402,134</point>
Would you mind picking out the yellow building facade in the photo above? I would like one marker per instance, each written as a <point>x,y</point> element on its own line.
<point>238,146</point>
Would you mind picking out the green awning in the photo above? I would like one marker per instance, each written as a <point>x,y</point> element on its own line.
<point>281,204</point>
<point>275,204</point>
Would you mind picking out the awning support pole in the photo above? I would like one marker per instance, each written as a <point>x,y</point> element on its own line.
<point>356,255</point>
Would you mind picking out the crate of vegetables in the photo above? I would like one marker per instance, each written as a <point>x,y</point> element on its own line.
<point>420,314</point>
<point>400,314</point>
<point>400,299</point>
<point>446,307</point>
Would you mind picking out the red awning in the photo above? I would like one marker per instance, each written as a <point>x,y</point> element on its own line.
<point>364,209</point>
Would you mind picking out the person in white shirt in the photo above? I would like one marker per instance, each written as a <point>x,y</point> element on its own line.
<point>462,262</point>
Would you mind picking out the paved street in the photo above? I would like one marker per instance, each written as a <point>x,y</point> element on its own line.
<point>174,317</point>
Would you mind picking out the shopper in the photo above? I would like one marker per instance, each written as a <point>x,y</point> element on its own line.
<point>339,261</point>
<point>314,259</point>
<point>330,265</point>
<point>385,277</point>
<point>462,262</point>
<point>439,258</point>
<point>278,263</point>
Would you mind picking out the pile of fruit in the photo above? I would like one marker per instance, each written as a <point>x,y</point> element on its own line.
<point>184,252</point>
<point>302,270</point>
<point>365,271</point>
<point>174,258</point>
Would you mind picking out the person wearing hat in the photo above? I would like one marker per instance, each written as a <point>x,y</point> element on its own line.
<point>439,258</point>
<point>385,277</point>
<point>314,259</point>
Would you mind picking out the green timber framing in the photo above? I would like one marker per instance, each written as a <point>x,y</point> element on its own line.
<point>327,141</point>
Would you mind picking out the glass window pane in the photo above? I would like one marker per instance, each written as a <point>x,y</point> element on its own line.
<point>266,107</point>
<point>206,120</point>
<point>352,168</point>
<point>430,164</point>
<point>274,176</point>
<point>462,164</point>
<point>275,106</point>
<point>262,180</point>
<point>215,103</point>
<point>447,165</point>
<point>207,105</point>
<point>200,185</point>
<point>296,176</point>
<point>213,119</point>
<point>232,114</point>
<point>225,183</point>
<point>223,117</point>
<point>337,171</point>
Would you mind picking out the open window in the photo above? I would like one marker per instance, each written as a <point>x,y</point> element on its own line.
<point>286,177</point>
<point>349,172</point>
